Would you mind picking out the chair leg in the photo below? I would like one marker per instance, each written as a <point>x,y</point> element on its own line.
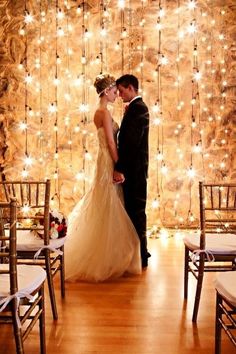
<point>62,272</point>
<point>17,329</point>
<point>218,325</point>
<point>42,322</point>
<point>199,287</point>
<point>186,265</point>
<point>50,284</point>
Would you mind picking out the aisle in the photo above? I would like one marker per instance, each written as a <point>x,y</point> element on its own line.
<point>133,315</point>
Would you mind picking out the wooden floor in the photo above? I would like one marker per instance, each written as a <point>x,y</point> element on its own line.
<point>133,315</point>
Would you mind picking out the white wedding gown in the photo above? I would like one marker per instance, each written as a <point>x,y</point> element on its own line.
<point>102,242</point>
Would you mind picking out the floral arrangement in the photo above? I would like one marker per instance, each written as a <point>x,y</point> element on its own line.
<point>57,224</point>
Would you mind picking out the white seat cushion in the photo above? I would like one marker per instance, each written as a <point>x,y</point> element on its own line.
<point>225,284</point>
<point>215,243</point>
<point>29,241</point>
<point>29,278</point>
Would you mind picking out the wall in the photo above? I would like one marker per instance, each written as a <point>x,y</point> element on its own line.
<point>185,137</point>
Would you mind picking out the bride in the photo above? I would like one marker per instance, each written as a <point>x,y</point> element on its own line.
<point>102,242</point>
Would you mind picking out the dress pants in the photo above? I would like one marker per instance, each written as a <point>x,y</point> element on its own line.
<point>135,195</point>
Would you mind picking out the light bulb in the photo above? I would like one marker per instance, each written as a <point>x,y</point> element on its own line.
<point>191,172</point>
<point>80,175</point>
<point>28,79</point>
<point>28,161</point>
<point>121,4</point>
<point>23,125</point>
<point>155,204</point>
<point>25,209</point>
<point>28,18</point>
<point>24,173</point>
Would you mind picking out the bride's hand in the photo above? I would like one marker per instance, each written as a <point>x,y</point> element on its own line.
<point>118,177</point>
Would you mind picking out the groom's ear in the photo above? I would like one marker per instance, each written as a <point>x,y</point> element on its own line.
<point>131,88</point>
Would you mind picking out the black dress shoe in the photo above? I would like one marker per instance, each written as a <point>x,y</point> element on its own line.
<point>144,263</point>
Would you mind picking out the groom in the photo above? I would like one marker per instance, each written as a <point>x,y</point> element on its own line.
<point>132,163</point>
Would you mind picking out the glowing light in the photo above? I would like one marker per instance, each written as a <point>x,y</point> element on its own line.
<point>60,14</point>
<point>157,121</point>
<point>222,165</point>
<point>193,124</point>
<point>192,28</point>
<point>78,81</point>
<point>191,172</point>
<point>164,169</point>
<point>80,176</point>
<point>84,107</point>
<point>24,173</point>
<point>28,79</point>
<point>124,33</point>
<point>117,46</point>
<point>159,26</point>
<point>121,4</point>
<point>60,32</point>
<point>23,126</point>
<point>21,32</point>
<point>28,161</point>
<point>25,209</point>
<point>197,148</point>
<point>67,97</point>
<point>161,13</point>
<point>56,81</point>
<point>164,234</point>
<point>28,18</point>
<point>163,60</point>
<point>156,108</point>
<point>197,76</point>
<point>52,108</point>
<point>155,203</point>
<point>192,5</point>
<point>88,156</point>
<point>88,34</point>
<point>159,156</point>
<point>83,60</point>
<point>181,34</point>
<point>191,217</point>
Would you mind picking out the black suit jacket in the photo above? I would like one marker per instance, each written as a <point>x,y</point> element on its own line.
<point>133,140</point>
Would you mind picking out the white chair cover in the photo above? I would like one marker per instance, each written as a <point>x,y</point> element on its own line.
<point>225,284</point>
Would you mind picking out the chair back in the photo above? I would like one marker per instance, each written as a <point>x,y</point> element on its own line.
<point>8,210</point>
<point>33,198</point>
<point>217,209</point>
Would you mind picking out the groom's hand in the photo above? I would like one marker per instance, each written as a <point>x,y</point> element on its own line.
<point>118,177</point>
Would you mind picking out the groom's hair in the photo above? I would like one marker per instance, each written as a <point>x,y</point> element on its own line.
<point>126,80</point>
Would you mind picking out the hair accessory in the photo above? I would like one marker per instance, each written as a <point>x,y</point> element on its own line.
<point>113,84</point>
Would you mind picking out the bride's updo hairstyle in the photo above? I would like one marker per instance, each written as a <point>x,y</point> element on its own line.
<point>104,82</point>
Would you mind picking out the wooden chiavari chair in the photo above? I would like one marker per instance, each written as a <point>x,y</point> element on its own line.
<point>225,285</point>
<point>21,287</point>
<point>214,249</point>
<point>33,199</point>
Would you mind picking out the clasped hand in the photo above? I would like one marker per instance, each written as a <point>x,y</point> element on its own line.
<point>118,177</point>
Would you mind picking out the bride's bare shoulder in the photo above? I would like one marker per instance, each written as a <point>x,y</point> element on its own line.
<point>101,115</point>
<point>101,111</point>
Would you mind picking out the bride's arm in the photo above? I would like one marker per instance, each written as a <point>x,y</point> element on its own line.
<point>107,125</point>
